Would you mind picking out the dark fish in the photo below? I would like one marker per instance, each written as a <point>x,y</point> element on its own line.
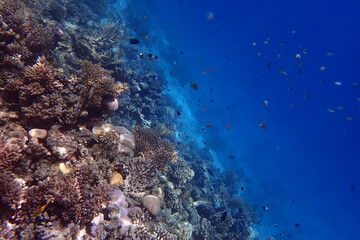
<point>352,187</point>
<point>134,41</point>
<point>141,55</point>
<point>171,74</point>
<point>211,173</point>
<point>242,188</point>
<point>223,217</point>
<point>275,225</point>
<point>211,89</point>
<point>268,65</point>
<point>297,225</point>
<point>179,114</point>
<point>156,58</point>
<point>232,157</point>
<point>150,56</point>
<point>265,208</point>
<point>212,100</point>
<point>181,52</point>
<point>194,86</point>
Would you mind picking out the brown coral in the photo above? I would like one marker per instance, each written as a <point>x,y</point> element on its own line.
<point>97,83</point>
<point>75,197</point>
<point>153,148</point>
<point>23,35</point>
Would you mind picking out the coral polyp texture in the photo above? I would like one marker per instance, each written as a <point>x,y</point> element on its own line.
<point>87,136</point>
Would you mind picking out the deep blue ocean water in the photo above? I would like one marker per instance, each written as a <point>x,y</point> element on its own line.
<point>303,59</point>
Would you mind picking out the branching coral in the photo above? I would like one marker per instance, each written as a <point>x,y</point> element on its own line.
<point>153,148</point>
<point>23,36</point>
<point>102,45</point>
<point>140,175</point>
<point>46,97</point>
<point>77,196</point>
<point>13,140</point>
<point>97,83</point>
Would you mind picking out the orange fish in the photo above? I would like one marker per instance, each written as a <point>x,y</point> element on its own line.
<point>204,108</point>
<point>262,125</point>
<point>208,126</point>
<point>194,86</point>
<point>228,127</point>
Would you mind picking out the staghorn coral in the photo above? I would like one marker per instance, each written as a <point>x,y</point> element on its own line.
<point>153,148</point>
<point>140,175</point>
<point>97,83</point>
<point>102,44</point>
<point>23,36</point>
<point>47,97</point>
<point>13,139</point>
<point>10,191</point>
<point>75,197</point>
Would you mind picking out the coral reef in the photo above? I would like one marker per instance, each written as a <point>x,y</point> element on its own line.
<point>87,145</point>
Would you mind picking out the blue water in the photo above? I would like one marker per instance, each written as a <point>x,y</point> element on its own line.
<point>305,165</point>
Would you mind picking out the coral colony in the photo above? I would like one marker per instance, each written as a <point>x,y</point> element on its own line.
<point>87,143</point>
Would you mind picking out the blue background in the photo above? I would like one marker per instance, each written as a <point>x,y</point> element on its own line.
<point>304,164</point>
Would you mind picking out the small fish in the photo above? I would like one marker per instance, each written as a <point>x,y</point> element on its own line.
<point>307,96</point>
<point>194,86</point>
<point>297,225</point>
<point>338,83</point>
<point>212,100</point>
<point>331,110</point>
<point>208,126</point>
<point>268,65</point>
<point>262,125</point>
<point>42,208</point>
<point>204,108</point>
<point>134,41</point>
<point>156,58</point>
<point>283,72</point>
<point>275,225</point>
<point>204,72</point>
<point>145,36</point>
<point>141,55</point>
<point>242,189</point>
<point>232,157</point>
<point>340,108</point>
<point>293,105</point>
<point>223,217</point>
<point>150,56</point>
<point>228,127</point>
<point>266,103</point>
<point>329,53</point>
<point>322,68</point>
<point>355,84</point>
<point>179,114</point>
<point>181,52</point>
<point>298,56</point>
<point>265,208</point>
<point>350,118</point>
